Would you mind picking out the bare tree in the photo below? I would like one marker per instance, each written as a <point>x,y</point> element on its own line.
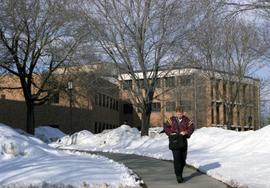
<point>259,10</point>
<point>141,36</point>
<point>36,37</point>
<point>227,49</point>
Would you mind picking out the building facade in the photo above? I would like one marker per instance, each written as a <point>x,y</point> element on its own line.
<point>87,102</point>
<point>210,100</point>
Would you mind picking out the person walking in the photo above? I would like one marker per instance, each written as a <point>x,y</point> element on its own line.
<point>178,129</point>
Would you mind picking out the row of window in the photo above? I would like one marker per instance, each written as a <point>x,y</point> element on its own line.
<point>156,106</point>
<point>218,118</point>
<point>185,80</point>
<point>100,126</point>
<point>106,101</point>
<point>170,106</point>
<point>245,92</point>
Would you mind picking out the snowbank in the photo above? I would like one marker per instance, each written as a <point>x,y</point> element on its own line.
<point>48,134</point>
<point>28,162</point>
<point>236,158</point>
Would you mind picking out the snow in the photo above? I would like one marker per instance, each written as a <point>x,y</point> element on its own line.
<point>240,159</point>
<point>26,161</point>
<point>48,134</point>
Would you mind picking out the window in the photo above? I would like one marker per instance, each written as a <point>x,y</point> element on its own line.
<point>140,83</point>
<point>96,127</point>
<point>127,84</point>
<point>170,106</point>
<point>96,99</point>
<point>217,111</point>
<point>127,108</point>
<point>170,82</point>
<point>3,96</point>
<point>116,105</point>
<point>156,107</point>
<point>186,105</point>
<point>111,103</point>
<point>53,97</point>
<point>107,101</point>
<point>99,99</point>
<point>186,80</point>
<point>212,113</point>
<point>157,82</point>
<point>114,102</point>
<point>103,100</point>
<point>225,114</point>
<point>56,97</point>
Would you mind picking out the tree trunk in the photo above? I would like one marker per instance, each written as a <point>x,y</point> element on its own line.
<point>146,120</point>
<point>30,118</point>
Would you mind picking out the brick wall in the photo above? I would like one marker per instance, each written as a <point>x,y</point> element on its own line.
<point>13,113</point>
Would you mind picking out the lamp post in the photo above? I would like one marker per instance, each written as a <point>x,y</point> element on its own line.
<point>70,87</point>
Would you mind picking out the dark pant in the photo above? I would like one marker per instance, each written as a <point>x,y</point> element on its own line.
<point>179,161</point>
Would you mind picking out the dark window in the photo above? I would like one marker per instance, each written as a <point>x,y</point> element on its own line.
<point>186,80</point>
<point>140,83</point>
<point>217,111</point>
<point>212,113</point>
<point>186,105</point>
<point>156,107</point>
<point>225,114</point>
<point>127,108</point>
<point>103,100</point>
<point>170,82</point>
<point>99,99</point>
<point>127,84</point>
<point>107,101</point>
<point>170,106</point>
<point>238,117</point>
<point>157,82</point>
<point>111,103</point>
<point>99,127</point>
<point>55,97</point>
<point>96,99</point>
<point>96,127</point>
<point>3,96</point>
<point>116,105</point>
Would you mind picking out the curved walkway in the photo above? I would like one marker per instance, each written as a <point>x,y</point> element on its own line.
<point>160,174</point>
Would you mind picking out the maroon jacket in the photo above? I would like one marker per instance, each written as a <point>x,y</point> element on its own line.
<point>185,125</point>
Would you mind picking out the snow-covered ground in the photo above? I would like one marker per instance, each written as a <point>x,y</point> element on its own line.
<point>28,162</point>
<point>241,159</point>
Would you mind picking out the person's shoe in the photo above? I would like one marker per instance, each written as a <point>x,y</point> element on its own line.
<point>179,179</point>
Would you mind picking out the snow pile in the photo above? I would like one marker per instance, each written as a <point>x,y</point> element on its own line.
<point>48,134</point>
<point>123,139</point>
<point>28,162</point>
<point>237,158</point>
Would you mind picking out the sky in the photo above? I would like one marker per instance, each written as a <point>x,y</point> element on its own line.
<point>236,158</point>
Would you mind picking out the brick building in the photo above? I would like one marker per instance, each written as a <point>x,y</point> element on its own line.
<point>105,104</point>
<point>208,102</point>
<point>91,103</point>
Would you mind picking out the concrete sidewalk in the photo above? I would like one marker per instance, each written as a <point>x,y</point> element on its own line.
<point>160,174</point>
